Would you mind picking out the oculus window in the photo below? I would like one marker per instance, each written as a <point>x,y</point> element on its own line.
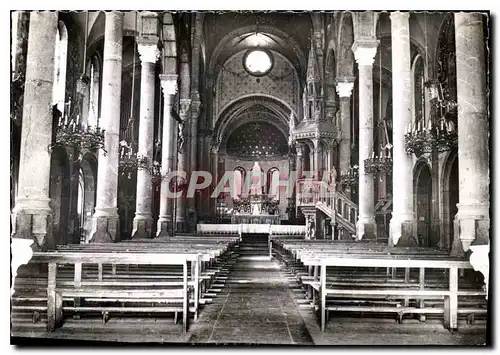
<point>258,62</point>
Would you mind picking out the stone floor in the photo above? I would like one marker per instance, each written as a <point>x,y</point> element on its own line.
<point>256,306</point>
<point>260,303</point>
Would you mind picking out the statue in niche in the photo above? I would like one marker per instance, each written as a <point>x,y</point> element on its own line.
<point>304,105</point>
<point>310,230</point>
<point>333,179</point>
<point>180,138</point>
<point>291,126</point>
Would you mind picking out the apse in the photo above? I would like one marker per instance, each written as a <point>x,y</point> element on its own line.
<point>257,141</point>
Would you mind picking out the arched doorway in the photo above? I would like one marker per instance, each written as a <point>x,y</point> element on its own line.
<point>423,195</point>
<point>87,179</point>
<point>450,198</point>
<point>59,193</point>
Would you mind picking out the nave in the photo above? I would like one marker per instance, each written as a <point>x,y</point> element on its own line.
<point>250,300</point>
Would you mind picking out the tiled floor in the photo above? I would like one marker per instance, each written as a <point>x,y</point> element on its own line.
<point>255,307</point>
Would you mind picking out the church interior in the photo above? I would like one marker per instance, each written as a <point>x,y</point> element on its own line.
<point>306,178</point>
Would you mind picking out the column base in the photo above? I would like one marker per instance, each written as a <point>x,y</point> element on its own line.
<point>191,223</point>
<point>164,227</point>
<point>473,224</point>
<point>366,230</point>
<point>180,226</point>
<point>403,234</point>
<point>32,220</point>
<point>142,226</point>
<point>105,227</point>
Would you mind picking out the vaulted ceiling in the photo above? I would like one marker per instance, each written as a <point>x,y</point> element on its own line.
<point>228,33</point>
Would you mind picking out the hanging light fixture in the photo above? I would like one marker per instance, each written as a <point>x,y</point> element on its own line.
<point>70,132</point>
<point>349,178</point>
<point>129,160</point>
<point>156,176</point>
<point>440,134</point>
<point>380,163</point>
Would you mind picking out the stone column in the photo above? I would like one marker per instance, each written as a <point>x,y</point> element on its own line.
<point>214,155</point>
<point>169,88</point>
<point>143,220</point>
<point>182,164</point>
<point>31,216</point>
<point>105,226</point>
<point>402,225</point>
<point>364,53</point>
<point>473,131</point>
<point>344,91</point>
<point>195,112</point>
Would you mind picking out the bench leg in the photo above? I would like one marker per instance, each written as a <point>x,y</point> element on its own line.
<point>451,302</point>
<point>52,301</point>
<point>323,297</point>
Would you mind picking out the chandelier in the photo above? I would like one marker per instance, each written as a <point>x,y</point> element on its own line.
<point>130,161</point>
<point>72,133</point>
<point>440,135</point>
<point>349,177</point>
<point>380,163</point>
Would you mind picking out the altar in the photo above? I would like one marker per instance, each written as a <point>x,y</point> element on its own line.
<point>255,219</point>
<point>256,209</point>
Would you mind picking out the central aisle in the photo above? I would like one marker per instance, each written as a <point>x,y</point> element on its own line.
<point>255,305</point>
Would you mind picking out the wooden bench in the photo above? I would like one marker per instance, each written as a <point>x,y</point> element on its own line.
<point>450,294</point>
<point>30,292</point>
<point>373,287</point>
<point>165,297</point>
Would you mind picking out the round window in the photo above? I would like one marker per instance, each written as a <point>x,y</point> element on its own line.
<point>258,62</point>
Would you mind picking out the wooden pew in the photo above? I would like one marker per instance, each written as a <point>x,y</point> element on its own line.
<point>214,254</point>
<point>208,252</point>
<point>311,254</point>
<point>173,296</point>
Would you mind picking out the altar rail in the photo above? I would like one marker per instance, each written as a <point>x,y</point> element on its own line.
<point>273,229</point>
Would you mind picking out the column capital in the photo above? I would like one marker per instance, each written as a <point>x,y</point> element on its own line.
<point>364,51</point>
<point>398,15</point>
<point>148,53</point>
<point>344,87</point>
<point>168,83</point>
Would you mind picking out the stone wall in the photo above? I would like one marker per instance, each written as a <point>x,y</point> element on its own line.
<point>234,82</point>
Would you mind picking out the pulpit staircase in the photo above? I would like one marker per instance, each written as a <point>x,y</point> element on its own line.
<point>335,205</point>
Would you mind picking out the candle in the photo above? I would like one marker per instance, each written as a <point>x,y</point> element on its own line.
<point>60,122</point>
<point>77,119</point>
<point>373,154</point>
<point>442,124</point>
<point>66,120</point>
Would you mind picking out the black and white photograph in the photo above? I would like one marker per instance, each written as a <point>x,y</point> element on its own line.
<point>235,178</point>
